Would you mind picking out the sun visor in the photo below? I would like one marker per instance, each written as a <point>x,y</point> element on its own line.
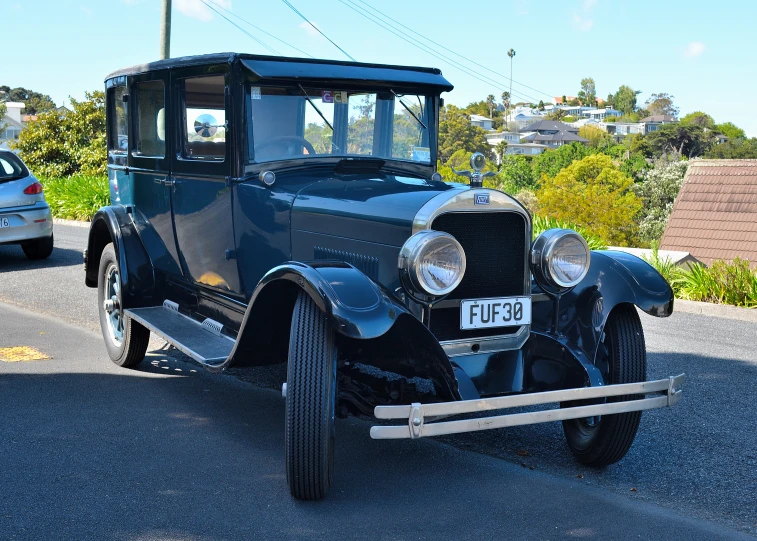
<point>376,74</point>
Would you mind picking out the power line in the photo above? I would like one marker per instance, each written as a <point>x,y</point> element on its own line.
<point>454,52</point>
<point>260,29</point>
<point>274,51</point>
<point>412,41</point>
<point>317,29</point>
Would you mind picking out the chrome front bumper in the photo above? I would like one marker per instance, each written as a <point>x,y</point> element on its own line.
<point>419,416</point>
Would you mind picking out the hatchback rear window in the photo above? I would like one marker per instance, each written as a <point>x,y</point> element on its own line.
<point>11,167</point>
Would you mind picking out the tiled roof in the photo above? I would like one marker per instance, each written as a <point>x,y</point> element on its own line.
<point>715,214</point>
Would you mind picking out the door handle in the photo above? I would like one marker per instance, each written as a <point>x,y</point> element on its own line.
<point>169,182</point>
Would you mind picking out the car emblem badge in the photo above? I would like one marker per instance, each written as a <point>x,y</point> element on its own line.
<point>482,199</point>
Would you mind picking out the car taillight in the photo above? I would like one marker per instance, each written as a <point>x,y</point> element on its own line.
<point>33,189</point>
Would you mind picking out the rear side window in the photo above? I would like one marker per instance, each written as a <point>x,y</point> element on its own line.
<point>118,141</point>
<point>149,120</point>
<point>11,167</point>
<point>205,115</point>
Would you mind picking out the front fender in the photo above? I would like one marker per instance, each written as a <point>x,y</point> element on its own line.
<point>614,278</point>
<point>114,224</point>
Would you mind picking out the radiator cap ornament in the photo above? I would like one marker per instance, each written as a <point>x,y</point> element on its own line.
<point>477,163</point>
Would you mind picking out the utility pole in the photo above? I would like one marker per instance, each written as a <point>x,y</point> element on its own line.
<point>165,31</point>
<point>511,54</point>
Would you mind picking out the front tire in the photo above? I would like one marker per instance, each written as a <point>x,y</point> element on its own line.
<point>310,402</point>
<point>125,339</point>
<point>38,248</point>
<point>623,359</point>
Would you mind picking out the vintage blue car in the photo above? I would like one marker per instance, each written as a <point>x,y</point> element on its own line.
<point>276,210</point>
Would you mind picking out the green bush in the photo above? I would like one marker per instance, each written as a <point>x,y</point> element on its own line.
<point>77,197</point>
<point>723,283</point>
<point>542,223</point>
<point>666,267</point>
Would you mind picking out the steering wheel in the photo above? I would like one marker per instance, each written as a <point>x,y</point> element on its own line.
<point>291,139</point>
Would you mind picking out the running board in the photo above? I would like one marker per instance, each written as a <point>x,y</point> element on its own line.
<point>202,341</point>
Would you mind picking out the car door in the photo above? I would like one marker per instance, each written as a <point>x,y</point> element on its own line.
<point>149,168</point>
<point>201,172</point>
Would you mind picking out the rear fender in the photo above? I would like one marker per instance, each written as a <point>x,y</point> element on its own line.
<point>614,278</point>
<point>114,224</point>
<point>365,317</point>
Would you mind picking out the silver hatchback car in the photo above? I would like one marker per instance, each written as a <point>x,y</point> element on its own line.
<point>25,216</point>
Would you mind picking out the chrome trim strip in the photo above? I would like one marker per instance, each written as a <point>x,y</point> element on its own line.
<point>486,344</point>
<point>669,391</point>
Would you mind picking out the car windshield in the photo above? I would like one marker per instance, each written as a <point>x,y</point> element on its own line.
<point>308,122</point>
<point>11,168</point>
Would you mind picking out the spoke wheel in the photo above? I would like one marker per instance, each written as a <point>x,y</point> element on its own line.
<point>621,358</point>
<point>125,340</point>
<point>310,402</point>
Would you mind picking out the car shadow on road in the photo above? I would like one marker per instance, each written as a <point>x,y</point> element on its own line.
<point>12,258</point>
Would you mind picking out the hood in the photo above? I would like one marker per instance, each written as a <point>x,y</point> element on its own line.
<point>378,208</point>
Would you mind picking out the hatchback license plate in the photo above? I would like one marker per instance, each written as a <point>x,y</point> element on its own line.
<point>501,312</point>
<point>5,222</point>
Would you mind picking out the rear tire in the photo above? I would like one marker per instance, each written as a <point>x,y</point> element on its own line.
<point>605,440</point>
<point>125,339</point>
<point>38,248</point>
<point>310,402</point>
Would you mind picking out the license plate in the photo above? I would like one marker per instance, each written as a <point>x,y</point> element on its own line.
<point>501,312</point>
<point>5,222</point>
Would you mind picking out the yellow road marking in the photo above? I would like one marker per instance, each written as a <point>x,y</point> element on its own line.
<point>21,354</point>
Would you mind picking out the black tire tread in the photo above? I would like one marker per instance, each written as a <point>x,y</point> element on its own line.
<point>136,335</point>
<point>38,248</point>
<point>308,402</point>
<point>616,433</point>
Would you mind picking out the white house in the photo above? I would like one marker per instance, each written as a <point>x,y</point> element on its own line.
<point>496,137</point>
<point>527,149</point>
<point>601,114</point>
<point>481,122</point>
<point>525,116</point>
<point>621,129</point>
<point>12,121</point>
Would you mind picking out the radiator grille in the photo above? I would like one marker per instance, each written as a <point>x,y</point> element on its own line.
<point>496,252</point>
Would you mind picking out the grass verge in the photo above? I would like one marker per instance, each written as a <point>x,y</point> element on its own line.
<point>77,197</point>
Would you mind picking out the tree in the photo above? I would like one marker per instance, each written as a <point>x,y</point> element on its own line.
<point>551,162</point>
<point>564,100</point>
<point>515,174</point>
<point>506,100</point>
<point>698,118</point>
<point>490,103</point>
<point>598,138</point>
<point>658,192</point>
<point>625,99</point>
<point>541,105</point>
<point>661,104</point>
<point>588,92</point>
<point>3,111</point>
<point>610,101</point>
<point>739,148</point>
<point>730,130</point>
<point>557,114</point>
<point>593,194</point>
<point>58,145</point>
<point>34,102</point>
<point>690,141</point>
<point>501,149</point>
<point>457,133</point>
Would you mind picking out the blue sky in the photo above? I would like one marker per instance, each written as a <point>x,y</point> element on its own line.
<point>702,53</point>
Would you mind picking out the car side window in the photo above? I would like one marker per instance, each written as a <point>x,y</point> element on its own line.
<point>205,114</point>
<point>149,120</point>
<point>118,141</point>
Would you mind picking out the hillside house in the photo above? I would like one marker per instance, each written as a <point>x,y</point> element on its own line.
<point>653,123</point>
<point>482,122</point>
<point>552,134</point>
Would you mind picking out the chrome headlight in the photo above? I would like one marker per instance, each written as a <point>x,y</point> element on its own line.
<point>432,263</point>
<point>560,258</point>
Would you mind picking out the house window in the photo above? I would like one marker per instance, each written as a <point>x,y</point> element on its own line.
<point>149,121</point>
<point>118,139</point>
<point>205,118</point>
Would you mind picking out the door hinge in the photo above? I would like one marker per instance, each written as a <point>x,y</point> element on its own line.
<point>231,254</point>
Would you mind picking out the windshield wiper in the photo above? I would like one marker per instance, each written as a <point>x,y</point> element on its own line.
<point>408,109</point>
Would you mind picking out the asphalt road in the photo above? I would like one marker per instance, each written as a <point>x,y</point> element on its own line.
<point>169,451</point>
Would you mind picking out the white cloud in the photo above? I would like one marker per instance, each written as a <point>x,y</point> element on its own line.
<point>588,4</point>
<point>584,25</point>
<point>695,48</point>
<point>198,10</point>
<point>86,10</point>
<point>309,30</point>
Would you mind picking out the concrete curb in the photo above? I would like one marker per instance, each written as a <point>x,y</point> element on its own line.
<point>73,223</point>
<point>725,311</point>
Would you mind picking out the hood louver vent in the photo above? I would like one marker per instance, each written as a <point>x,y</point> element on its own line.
<point>367,265</point>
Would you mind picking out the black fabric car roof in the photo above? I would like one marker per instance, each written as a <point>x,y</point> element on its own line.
<point>279,67</point>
